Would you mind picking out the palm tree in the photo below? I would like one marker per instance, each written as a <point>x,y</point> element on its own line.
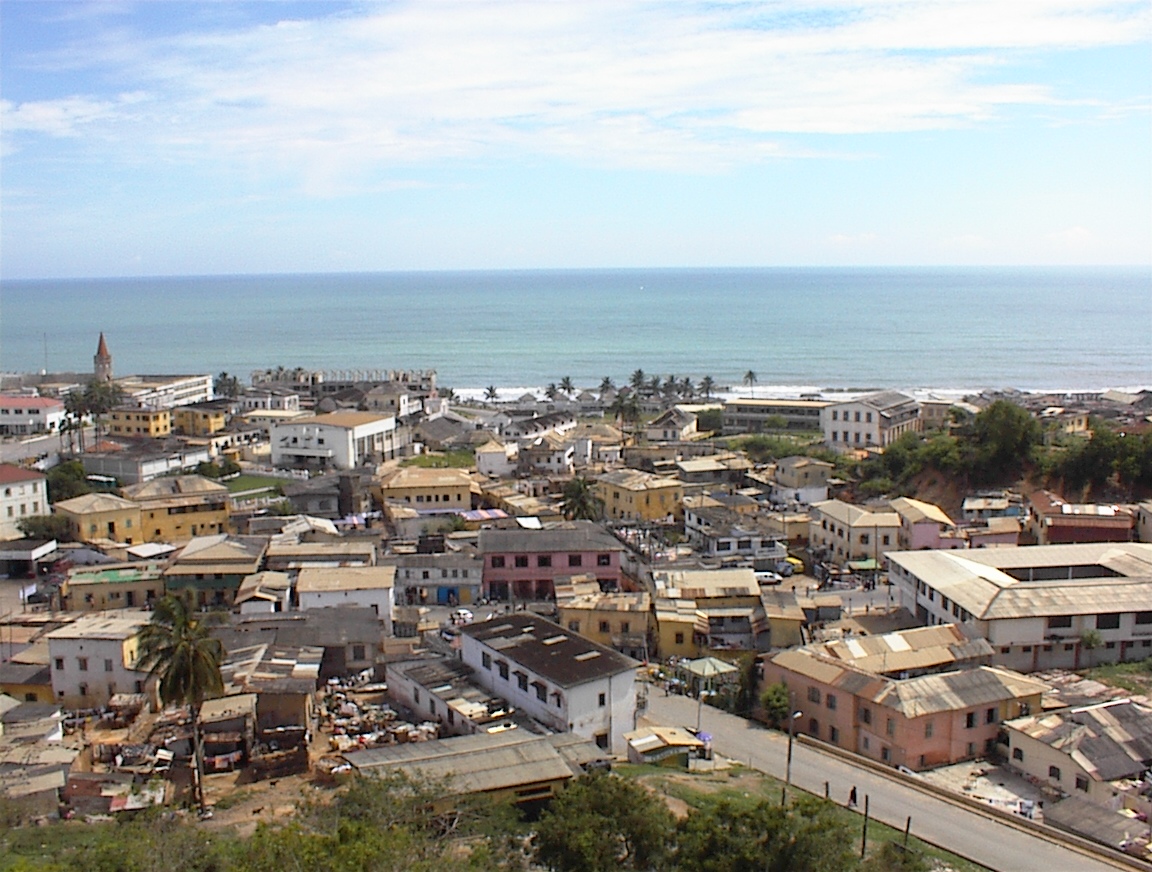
<point>551,391</point>
<point>653,386</point>
<point>750,380</point>
<point>707,385</point>
<point>226,385</point>
<point>76,408</point>
<point>638,380</point>
<point>567,386</point>
<point>490,393</point>
<point>175,646</point>
<point>100,398</point>
<point>606,385</point>
<point>626,410</point>
<point>580,500</point>
<point>687,389</point>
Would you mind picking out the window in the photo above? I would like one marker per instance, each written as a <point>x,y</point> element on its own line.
<point>1059,622</point>
<point>107,665</point>
<point>679,638</point>
<point>814,728</point>
<point>887,539</point>
<point>416,697</point>
<point>890,727</point>
<point>604,627</point>
<point>625,627</point>
<point>574,626</point>
<point>83,689</point>
<point>601,741</point>
<point>1081,783</point>
<point>59,664</point>
<point>1054,772</point>
<point>970,720</point>
<point>544,560</point>
<point>833,735</point>
<point>575,559</point>
<point>603,559</point>
<point>866,715</point>
<point>863,538</point>
<point>83,663</point>
<point>864,743</point>
<point>357,652</point>
<point>990,716</point>
<point>502,668</point>
<point>813,694</point>
<point>521,561</point>
<point>603,700</point>
<point>1018,754</point>
<point>835,415</point>
<point>541,691</point>
<point>522,681</point>
<point>497,562</point>
<point>1108,622</point>
<point>928,728</point>
<point>830,701</point>
<point>886,754</point>
<point>486,660</point>
<point>1144,617</point>
<point>970,750</point>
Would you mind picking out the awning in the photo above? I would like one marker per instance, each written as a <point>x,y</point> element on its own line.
<point>868,565</point>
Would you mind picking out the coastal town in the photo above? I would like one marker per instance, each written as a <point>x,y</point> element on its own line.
<point>505,593</point>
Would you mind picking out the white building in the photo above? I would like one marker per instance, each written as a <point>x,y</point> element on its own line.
<point>557,677</point>
<point>94,658</point>
<point>366,586</point>
<point>257,399</point>
<point>23,493</point>
<point>342,440</point>
<point>166,391</point>
<point>1037,604</point>
<point>875,420</point>
<point>22,416</point>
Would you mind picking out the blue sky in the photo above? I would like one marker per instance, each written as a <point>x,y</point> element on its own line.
<point>211,137</point>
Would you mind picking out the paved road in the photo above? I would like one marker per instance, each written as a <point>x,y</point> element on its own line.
<point>965,832</point>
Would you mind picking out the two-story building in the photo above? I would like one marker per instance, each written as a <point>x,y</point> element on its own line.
<point>365,586</point>
<point>924,526</point>
<point>113,586</point>
<point>95,657</point>
<point>920,722</point>
<point>872,421</point>
<point>102,517</point>
<point>143,422</point>
<point>212,567</point>
<point>746,415</point>
<point>623,622</point>
<point>178,508</point>
<point>800,479</point>
<point>847,532</point>
<point>524,563</point>
<point>430,491</point>
<point>559,678</point>
<point>720,532</point>
<point>341,440</point>
<point>448,578</point>
<point>1036,605</point>
<point>632,495</point>
<point>23,493</point>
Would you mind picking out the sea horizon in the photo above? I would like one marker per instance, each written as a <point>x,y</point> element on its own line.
<point>948,330</point>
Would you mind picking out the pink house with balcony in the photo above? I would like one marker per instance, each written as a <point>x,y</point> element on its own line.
<point>924,526</point>
<point>931,720</point>
<point>524,564</point>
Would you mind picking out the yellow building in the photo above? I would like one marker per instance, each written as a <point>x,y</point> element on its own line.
<point>621,621</point>
<point>112,586</point>
<point>140,422</point>
<point>676,628</point>
<point>102,517</point>
<point>177,508</point>
<point>430,490</point>
<point>202,419</point>
<point>632,495</point>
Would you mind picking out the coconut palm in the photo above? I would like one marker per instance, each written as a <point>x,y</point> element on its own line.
<point>626,410</point>
<point>551,392</point>
<point>687,389</point>
<point>176,648</point>
<point>580,500</point>
<point>606,385</point>
<point>707,385</point>
<point>226,385</point>
<point>750,380</point>
<point>490,393</point>
<point>100,398</point>
<point>638,380</point>
<point>567,386</point>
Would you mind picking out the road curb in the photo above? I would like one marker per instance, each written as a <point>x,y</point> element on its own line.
<point>1069,840</point>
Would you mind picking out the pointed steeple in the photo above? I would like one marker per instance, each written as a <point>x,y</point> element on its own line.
<point>102,362</point>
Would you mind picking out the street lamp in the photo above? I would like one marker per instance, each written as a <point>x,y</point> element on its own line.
<point>788,766</point>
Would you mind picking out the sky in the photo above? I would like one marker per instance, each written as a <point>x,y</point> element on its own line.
<point>166,138</point>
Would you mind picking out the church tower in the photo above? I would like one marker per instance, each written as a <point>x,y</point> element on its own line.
<point>102,362</point>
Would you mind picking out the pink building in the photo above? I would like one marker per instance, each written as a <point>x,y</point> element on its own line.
<point>931,720</point>
<point>524,564</point>
<point>924,526</point>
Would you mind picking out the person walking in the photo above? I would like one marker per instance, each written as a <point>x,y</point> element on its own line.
<point>852,797</point>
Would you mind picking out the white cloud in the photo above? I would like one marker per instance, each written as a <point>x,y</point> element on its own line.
<point>690,86</point>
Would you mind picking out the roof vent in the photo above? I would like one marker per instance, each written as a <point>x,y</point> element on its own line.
<point>552,640</point>
<point>587,655</point>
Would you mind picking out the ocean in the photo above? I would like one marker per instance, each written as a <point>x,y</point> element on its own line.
<point>952,329</point>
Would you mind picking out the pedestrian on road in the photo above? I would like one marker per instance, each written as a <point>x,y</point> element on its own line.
<point>852,797</point>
